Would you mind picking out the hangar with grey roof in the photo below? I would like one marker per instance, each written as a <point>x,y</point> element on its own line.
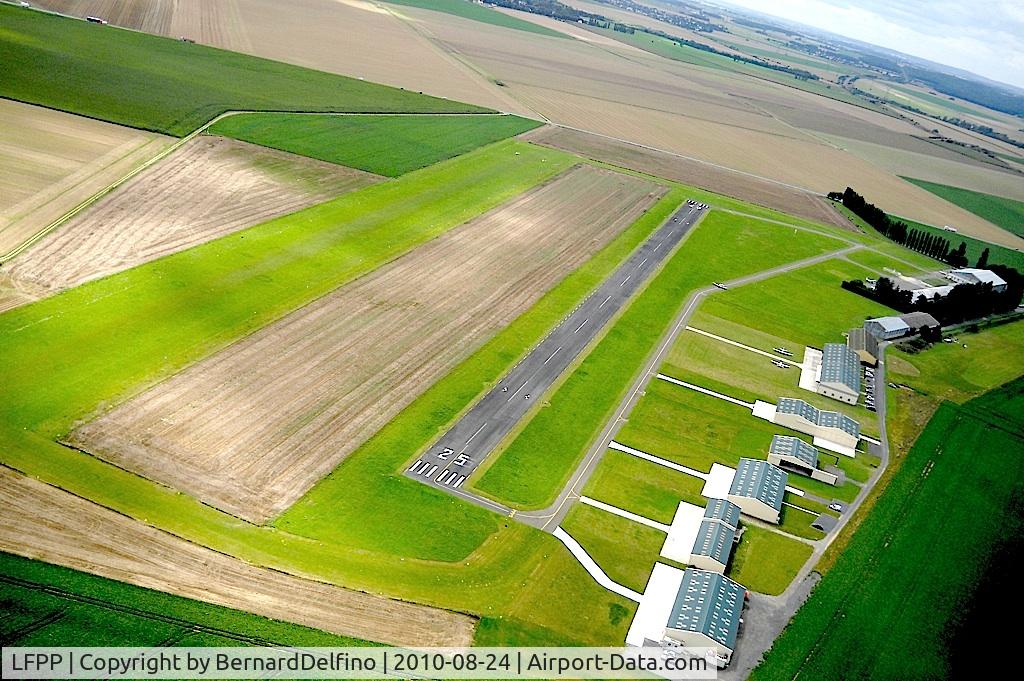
<point>793,454</point>
<point>840,373</point>
<point>707,612</point>
<point>758,488</point>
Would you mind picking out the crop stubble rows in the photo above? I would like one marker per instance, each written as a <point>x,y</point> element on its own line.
<point>252,428</point>
<point>210,187</point>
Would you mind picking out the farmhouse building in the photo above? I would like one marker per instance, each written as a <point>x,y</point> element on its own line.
<point>795,455</point>
<point>758,488</point>
<point>840,373</point>
<point>707,612</point>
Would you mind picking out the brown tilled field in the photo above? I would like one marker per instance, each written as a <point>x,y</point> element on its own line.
<point>46,523</point>
<point>250,429</point>
<point>210,187</point>
<point>51,161</point>
<point>710,177</point>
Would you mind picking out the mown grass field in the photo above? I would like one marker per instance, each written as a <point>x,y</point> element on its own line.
<point>643,487</point>
<point>536,464</point>
<point>949,371</point>
<point>999,210</point>
<point>697,430</point>
<point>767,561</point>
<point>166,85</point>
<point>624,549</point>
<point>803,307</point>
<point>385,145</point>
<point>49,605</point>
<point>486,15</point>
<point>904,581</point>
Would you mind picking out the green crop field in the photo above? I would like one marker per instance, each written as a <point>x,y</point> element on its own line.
<point>385,145</point>
<point>999,210</point>
<point>767,561</point>
<point>45,604</point>
<point>471,10</point>
<point>167,85</point>
<point>625,550</point>
<point>905,581</point>
<point>533,468</point>
<point>997,255</point>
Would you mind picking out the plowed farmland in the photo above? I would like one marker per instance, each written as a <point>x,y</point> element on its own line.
<point>210,187</point>
<point>687,171</point>
<point>43,522</point>
<point>50,161</point>
<point>253,427</point>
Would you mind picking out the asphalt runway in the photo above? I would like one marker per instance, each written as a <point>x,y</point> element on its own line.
<point>450,461</point>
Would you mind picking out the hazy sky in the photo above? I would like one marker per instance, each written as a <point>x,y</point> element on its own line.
<point>982,36</point>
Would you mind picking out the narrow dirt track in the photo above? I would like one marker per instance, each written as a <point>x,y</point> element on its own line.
<point>210,187</point>
<point>706,176</point>
<point>250,429</point>
<point>46,523</point>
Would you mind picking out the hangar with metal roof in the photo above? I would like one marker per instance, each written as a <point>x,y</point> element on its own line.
<point>758,488</point>
<point>707,612</point>
<point>829,425</point>
<point>793,454</point>
<point>716,536</point>
<point>840,373</point>
<point>887,328</point>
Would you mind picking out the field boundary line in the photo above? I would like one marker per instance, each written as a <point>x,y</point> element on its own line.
<point>32,240</point>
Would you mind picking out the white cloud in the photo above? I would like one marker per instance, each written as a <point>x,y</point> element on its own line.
<point>985,37</point>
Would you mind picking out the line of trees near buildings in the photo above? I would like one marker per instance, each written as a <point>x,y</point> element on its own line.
<point>964,303</point>
<point>918,240</point>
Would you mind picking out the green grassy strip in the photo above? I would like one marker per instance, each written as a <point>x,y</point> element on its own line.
<point>330,512</point>
<point>471,10</point>
<point>536,464</point>
<point>903,580</point>
<point>167,85</point>
<point>999,210</point>
<point>385,145</point>
<point>129,615</point>
<point>159,317</point>
<point>767,561</point>
<point>625,550</point>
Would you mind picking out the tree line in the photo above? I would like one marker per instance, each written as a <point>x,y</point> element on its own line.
<point>964,303</point>
<point>932,245</point>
